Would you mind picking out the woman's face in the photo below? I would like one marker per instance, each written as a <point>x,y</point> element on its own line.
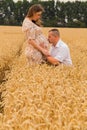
<point>37,16</point>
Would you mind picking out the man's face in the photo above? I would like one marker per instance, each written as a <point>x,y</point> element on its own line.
<point>51,37</point>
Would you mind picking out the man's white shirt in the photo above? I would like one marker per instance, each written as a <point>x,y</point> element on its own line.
<point>61,52</point>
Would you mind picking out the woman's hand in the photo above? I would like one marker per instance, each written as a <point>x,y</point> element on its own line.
<point>45,52</point>
<point>43,46</point>
<point>44,49</point>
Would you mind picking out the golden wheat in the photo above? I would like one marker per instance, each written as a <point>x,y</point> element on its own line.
<point>43,97</point>
<point>10,45</point>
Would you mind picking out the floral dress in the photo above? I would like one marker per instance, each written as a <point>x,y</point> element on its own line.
<point>32,31</point>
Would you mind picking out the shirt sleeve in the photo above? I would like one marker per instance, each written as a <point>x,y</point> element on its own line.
<point>29,30</point>
<point>61,54</point>
<point>31,33</point>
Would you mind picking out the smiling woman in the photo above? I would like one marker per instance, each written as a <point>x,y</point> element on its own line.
<point>36,41</point>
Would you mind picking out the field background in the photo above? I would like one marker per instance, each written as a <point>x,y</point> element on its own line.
<point>42,97</point>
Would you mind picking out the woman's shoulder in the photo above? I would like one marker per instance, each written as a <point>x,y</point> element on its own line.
<point>26,24</point>
<point>26,20</point>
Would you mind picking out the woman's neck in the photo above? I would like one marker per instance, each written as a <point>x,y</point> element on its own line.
<point>31,19</point>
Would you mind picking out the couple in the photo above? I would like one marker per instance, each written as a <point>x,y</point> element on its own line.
<point>37,50</point>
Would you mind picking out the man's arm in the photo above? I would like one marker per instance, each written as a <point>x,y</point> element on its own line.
<point>49,58</point>
<point>52,60</point>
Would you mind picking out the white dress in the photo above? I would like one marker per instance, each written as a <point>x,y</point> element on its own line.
<point>32,31</point>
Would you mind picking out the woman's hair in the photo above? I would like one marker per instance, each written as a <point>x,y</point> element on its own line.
<point>34,9</point>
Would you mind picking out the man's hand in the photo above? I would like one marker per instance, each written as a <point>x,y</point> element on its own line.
<point>45,52</point>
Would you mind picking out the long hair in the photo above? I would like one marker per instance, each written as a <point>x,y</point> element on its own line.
<point>34,9</point>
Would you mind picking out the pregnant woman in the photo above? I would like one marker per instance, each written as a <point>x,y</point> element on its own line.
<point>36,41</point>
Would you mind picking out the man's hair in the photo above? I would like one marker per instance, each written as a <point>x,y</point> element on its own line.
<point>55,32</point>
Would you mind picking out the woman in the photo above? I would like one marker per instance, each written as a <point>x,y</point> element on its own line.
<point>36,41</point>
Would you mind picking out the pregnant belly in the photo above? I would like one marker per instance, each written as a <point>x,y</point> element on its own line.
<point>42,39</point>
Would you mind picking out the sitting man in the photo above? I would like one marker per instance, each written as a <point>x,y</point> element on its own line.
<point>59,51</point>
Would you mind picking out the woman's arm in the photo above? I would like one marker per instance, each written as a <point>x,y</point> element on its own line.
<point>38,47</point>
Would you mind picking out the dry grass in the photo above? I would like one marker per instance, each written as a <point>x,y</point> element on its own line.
<point>10,46</point>
<point>46,97</point>
<point>9,43</point>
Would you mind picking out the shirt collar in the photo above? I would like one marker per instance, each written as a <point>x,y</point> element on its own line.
<point>58,43</point>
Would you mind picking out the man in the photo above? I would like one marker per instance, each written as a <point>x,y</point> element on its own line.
<point>59,52</point>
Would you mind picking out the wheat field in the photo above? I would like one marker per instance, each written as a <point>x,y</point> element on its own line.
<point>42,97</point>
